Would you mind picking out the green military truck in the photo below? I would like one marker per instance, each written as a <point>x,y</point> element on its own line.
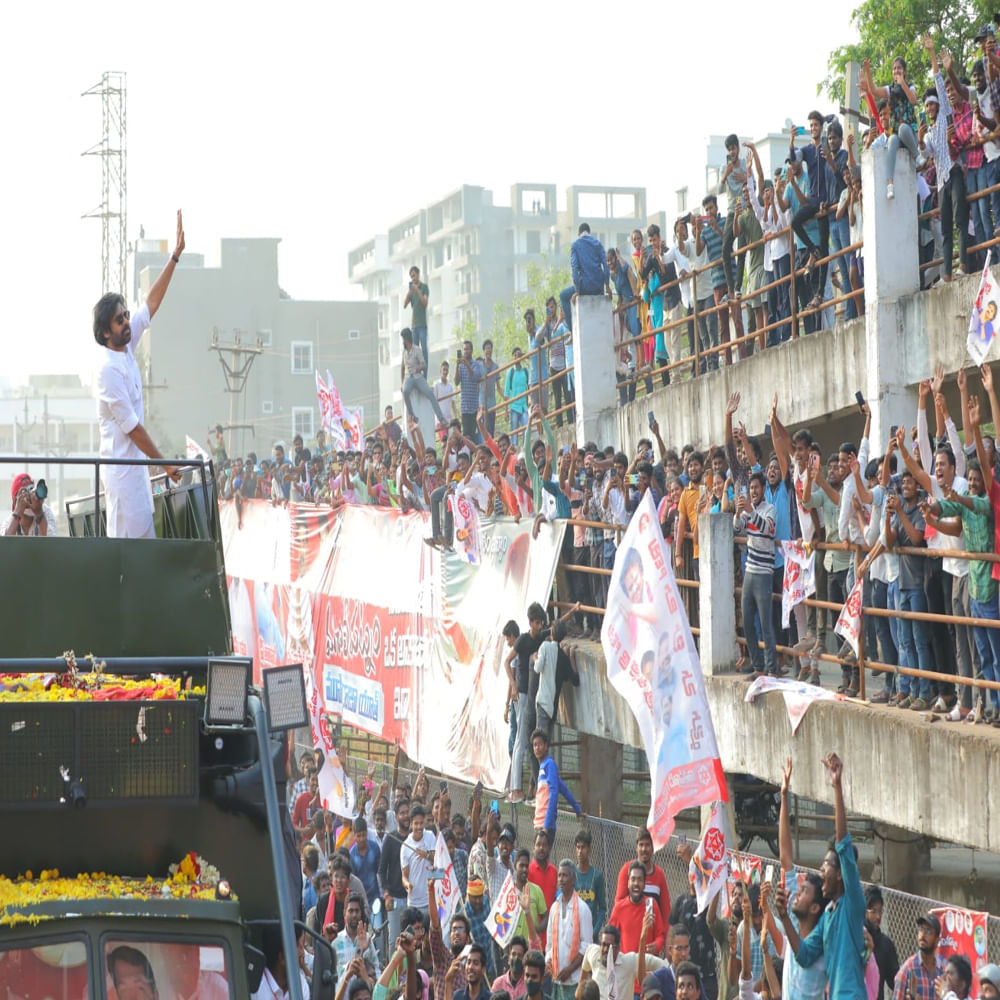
<point>146,848</point>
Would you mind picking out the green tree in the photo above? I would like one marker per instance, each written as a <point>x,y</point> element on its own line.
<point>891,28</point>
<point>506,331</point>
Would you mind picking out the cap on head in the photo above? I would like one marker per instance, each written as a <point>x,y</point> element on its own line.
<point>651,987</point>
<point>990,974</point>
<point>475,887</point>
<point>986,31</point>
<point>932,921</point>
<point>21,480</point>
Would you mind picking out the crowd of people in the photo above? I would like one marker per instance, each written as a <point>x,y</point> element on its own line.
<point>370,886</point>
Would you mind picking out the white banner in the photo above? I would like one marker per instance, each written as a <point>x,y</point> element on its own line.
<point>709,867</point>
<point>984,320</point>
<point>336,792</point>
<point>849,623</point>
<point>798,695</point>
<point>800,577</point>
<point>652,662</point>
<point>505,913</point>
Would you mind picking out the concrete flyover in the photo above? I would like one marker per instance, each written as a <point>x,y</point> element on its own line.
<point>901,770</point>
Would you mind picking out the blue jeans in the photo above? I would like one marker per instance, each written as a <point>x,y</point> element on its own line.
<point>756,603</point>
<point>988,642</point>
<point>420,339</point>
<point>518,418</point>
<point>782,268</point>
<point>566,301</point>
<point>914,643</point>
<point>418,384</point>
<point>708,334</point>
<point>886,641</point>
<point>840,237</point>
<point>892,597</point>
<point>992,169</point>
<point>609,554</point>
<point>982,215</point>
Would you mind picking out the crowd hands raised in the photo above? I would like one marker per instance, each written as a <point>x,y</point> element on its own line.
<point>372,888</point>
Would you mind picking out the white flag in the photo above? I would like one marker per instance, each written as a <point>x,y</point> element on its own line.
<point>984,319</point>
<point>467,542</point>
<point>195,450</point>
<point>336,791</point>
<point>446,890</point>
<point>849,623</point>
<point>800,577</point>
<point>709,867</point>
<point>505,913</point>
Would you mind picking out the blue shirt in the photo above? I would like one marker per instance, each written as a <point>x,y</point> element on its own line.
<point>469,377</point>
<point>365,866</point>
<point>547,791</point>
<point>516,384</point>
<point>713,244</point>
<point>817,171</point>
<point>839,935</point>
<point>811,227</point>
<point>780,497</point>
<point>589,265</point>
<point>488,389</point>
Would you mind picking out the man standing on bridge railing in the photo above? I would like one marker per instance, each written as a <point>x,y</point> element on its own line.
<point>119,405</point>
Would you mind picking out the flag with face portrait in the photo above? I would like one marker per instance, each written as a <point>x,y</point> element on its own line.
<point>984,319</point>
<point>335,790</point>
<point>467,541</point>
<point>709,866</point>
<point>653,663</point>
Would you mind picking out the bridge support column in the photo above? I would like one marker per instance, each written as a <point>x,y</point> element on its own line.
<point>716,603</point>
<point>594,369</point>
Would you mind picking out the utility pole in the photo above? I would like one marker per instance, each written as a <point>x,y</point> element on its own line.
<point>236,361</point>
<point>112,208</point>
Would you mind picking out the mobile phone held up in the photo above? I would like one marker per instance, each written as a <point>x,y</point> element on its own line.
<point>859,396</point>
<point>652,419</point>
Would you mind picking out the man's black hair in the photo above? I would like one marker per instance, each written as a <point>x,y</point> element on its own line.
<point>873,896</point>
<point>962,967</point>
<point>104,313</point>
<point>584,228</point>
<point>536,960</point>
<point>732,140</point>
<point>947,452</point>
<point>688,969</point>
<point>759,476</point>
<point>407,334</point>
<point>511,629</point>
<point>848,448</point>
<point>410,916</point>
<point>536,613</point>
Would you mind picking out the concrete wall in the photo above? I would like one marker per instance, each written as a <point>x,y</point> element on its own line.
<point>899,769</point>
<point>815,378</point>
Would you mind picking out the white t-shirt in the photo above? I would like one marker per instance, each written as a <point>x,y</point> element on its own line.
<point>478,490</point>
<point>545,667</point>
<point>419,866</point>
<point>991,148</point>
<point>446,393</point>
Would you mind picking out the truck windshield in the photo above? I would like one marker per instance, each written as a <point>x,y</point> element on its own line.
<point>57,970</point>
<point>137,969</point>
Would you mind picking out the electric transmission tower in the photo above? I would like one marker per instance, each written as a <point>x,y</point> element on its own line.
<point>112,209</point>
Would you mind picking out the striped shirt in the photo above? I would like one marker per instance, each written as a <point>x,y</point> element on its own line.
<point>759,528</point>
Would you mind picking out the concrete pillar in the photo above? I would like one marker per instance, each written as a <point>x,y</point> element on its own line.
<point>601,762</point>
<point>892,272</point>
<point>904,856</point>
<point>716,603</point>
<point>593,366</point>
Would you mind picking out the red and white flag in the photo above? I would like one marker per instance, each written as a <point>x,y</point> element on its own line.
<point>800,577</point>
<point>984,320</point>
<point>194,450</point>
<point>653,663</point>
<point>446,891</point>
<point>709,867</point>
<point>325,403</point>
<point>849,623</point>
<point>505,912</point>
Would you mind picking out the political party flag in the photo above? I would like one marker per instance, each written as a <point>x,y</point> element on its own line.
<point>653,663</point>
<point>709,867</point>
<point>336,791</point>
<point>446,891</point>
<point>800,577</point>
<point>325,403</point>
<point>849,623</point>
<point>352,423</point>
<point>467,543</point>
<point>194,450</point>
<point>505,913</point>
<point>984,320</point>
<point>963,932</point>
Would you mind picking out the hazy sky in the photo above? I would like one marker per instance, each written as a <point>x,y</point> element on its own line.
<point>325,123</point>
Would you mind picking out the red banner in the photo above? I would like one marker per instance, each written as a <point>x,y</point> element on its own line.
<point>963,932</point>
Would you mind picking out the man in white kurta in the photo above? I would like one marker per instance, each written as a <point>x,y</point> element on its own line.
<point>119,405</point>
<point>570,931</point>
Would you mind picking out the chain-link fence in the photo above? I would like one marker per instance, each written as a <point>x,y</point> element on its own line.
<point>613,844</point>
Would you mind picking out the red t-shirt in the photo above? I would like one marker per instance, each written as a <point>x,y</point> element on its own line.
<point>301,813</point>
<point>628,917</point>
<point>546,880</point>
<point>656,886</point>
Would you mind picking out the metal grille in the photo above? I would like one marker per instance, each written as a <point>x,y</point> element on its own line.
<point>122,751</point>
